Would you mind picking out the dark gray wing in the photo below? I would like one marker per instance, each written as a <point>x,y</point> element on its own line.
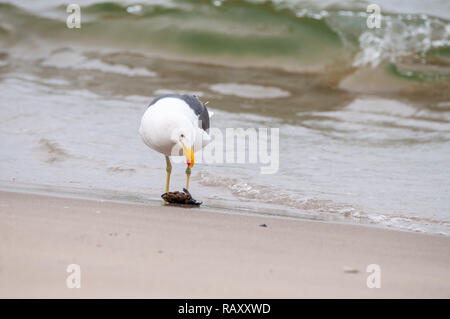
<point>194,103</point>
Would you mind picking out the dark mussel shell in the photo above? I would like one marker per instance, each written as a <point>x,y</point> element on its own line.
<point>183,198</point>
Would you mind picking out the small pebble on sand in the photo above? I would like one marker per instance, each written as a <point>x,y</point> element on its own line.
<point>350,270</point>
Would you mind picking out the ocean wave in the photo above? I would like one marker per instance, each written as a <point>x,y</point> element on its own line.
<point>381,122</point>
<point>268,195</point>
<point>320,209</point>
<point>249,90</point>
<point>331,38</point>
<point>402,36</point>
<point>70,59</point>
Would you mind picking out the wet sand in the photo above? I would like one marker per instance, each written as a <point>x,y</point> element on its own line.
<point>127,250</point>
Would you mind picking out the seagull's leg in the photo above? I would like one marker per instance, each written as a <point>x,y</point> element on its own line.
<point>168,170</point>
<point>188,175</point>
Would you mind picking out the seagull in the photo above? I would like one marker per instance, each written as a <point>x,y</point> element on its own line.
<point>174,125</point>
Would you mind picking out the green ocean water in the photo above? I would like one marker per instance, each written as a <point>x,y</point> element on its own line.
<point>289,35</point>
<point>363,114</point>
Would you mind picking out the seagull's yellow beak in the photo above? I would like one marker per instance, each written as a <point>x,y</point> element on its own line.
<point>189,153</point>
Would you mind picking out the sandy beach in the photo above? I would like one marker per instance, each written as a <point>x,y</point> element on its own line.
<point>326,173</point>
<point>127,250</point>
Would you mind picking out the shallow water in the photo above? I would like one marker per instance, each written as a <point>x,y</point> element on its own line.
<point>359,142</point>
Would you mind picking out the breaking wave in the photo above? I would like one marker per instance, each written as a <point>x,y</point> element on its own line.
<point>292,35</point>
